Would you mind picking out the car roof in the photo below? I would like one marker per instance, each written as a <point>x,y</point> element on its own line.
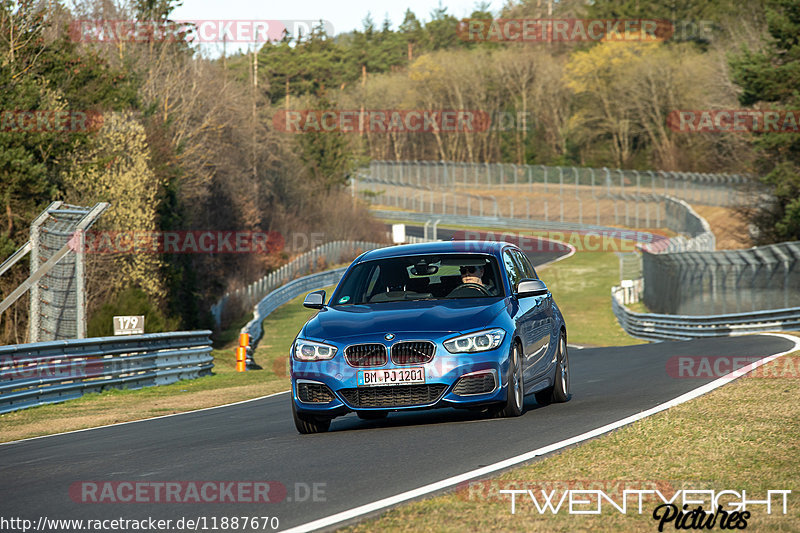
<point>436,247</point>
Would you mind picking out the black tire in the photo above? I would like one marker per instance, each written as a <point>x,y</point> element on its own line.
<point>306,424</point>
<point>516,388</point>
<point>372,415</point>
<point>559,392</point>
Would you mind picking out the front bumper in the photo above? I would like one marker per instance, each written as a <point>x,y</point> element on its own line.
<point>451,380</point>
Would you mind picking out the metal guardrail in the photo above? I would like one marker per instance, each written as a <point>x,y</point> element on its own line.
<point>672,267</point>
<point>682,218</point>
<point>283,295</point>
<point>513,223</point>
<point>660,327</point>
<point>703,282</point>
<point>55,371</point>
<point>331,253</point>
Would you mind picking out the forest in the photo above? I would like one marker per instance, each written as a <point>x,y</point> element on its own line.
<point>183,141</point>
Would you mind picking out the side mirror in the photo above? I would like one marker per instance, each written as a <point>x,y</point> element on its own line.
<point>531,287</point>
<point>315,300</point>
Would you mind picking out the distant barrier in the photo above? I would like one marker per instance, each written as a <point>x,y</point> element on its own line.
<point>321,257</point>
<point>283,295</point>
<point>55,371</point>
<point>710,292</point>
<point>705,282</point>
<point>662,327</point>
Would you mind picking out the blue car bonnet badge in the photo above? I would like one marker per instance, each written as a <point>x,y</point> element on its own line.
<point>389,336</point>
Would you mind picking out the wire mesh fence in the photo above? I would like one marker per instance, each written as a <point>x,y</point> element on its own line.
<point>730,281</point>
<point>682,275</point>
<point>57,299</point>
<point>694,187</point>
<point>561,194</point>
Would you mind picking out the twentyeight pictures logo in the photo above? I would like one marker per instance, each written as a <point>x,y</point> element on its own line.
<point>193,31</point>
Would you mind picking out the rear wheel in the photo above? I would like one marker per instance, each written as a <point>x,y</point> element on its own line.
<point>309,424</point>
<point>516,388</point>
<point>559,392</point>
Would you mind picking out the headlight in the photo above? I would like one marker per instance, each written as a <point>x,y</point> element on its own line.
<point>476,342</point>
<point>313,351</point>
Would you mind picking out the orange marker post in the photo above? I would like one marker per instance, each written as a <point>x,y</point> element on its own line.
<point>241,352</point>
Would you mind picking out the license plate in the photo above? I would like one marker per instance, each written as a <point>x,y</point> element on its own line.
<point>400,376</point>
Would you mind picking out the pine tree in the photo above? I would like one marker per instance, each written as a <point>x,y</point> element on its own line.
<point>772,77</point>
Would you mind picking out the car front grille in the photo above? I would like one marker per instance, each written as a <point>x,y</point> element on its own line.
<point>475,384</point>
<point>366,355</point>
<point>393,395</point>
<point>314,393</point>
<point>412,352</point>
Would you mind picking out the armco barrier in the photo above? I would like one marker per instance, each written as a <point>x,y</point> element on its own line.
<point>49,372</point>
<point>285,294</point>
<point>680,217</point>
<point>684,268</point>
<point>660,327</point>
<point>706,282</point>
<point>331,252</point>
<point>513,224</point>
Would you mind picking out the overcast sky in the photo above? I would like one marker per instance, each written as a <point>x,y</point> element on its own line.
<point>344,16</point>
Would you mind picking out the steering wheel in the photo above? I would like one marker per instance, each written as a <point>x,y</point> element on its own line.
<point>474,286</point>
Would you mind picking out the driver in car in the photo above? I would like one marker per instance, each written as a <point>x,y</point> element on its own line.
<point>474,274</point>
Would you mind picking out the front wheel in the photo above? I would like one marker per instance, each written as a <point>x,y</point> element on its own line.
<point>306,424</point>
<point>559,392</point>
<point>516,388</point>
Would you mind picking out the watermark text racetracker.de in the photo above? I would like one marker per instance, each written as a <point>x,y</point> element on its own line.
<point>203,492</point>
<point>718,366</point>
<point>600,240</point>
<point>381,120</point>
<point>401,121</point>
<point>49,121</point>
<point>177,242</point>
<point>734,121</point>
<point>191,31</point>
<point>535,30</point>
<point>196,523</point>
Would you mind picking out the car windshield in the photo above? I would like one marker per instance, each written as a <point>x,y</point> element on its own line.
<point>420,277</point>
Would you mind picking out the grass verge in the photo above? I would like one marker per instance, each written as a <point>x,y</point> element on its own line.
<point>743,436</point>
<point>581,284</point>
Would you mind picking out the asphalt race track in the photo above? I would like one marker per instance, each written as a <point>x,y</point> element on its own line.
<point>357,462</point>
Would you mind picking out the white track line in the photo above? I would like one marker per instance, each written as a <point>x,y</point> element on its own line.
<point>145,419</point>
<point>449,482</point>
<point>559,258</point>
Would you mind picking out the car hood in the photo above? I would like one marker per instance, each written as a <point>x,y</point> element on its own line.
<point>440,316</point>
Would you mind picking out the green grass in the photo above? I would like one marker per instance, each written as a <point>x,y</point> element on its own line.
<point>581,285</point>
<point>280,329</point>
<point>224,386</point>
<point>729,439</point>
<point>115,405</point>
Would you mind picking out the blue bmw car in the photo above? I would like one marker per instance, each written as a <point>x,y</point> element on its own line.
<point>464,324</point>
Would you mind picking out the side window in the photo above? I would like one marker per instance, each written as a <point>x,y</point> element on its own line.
<point>527,267</point>
<point>514,274</point>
